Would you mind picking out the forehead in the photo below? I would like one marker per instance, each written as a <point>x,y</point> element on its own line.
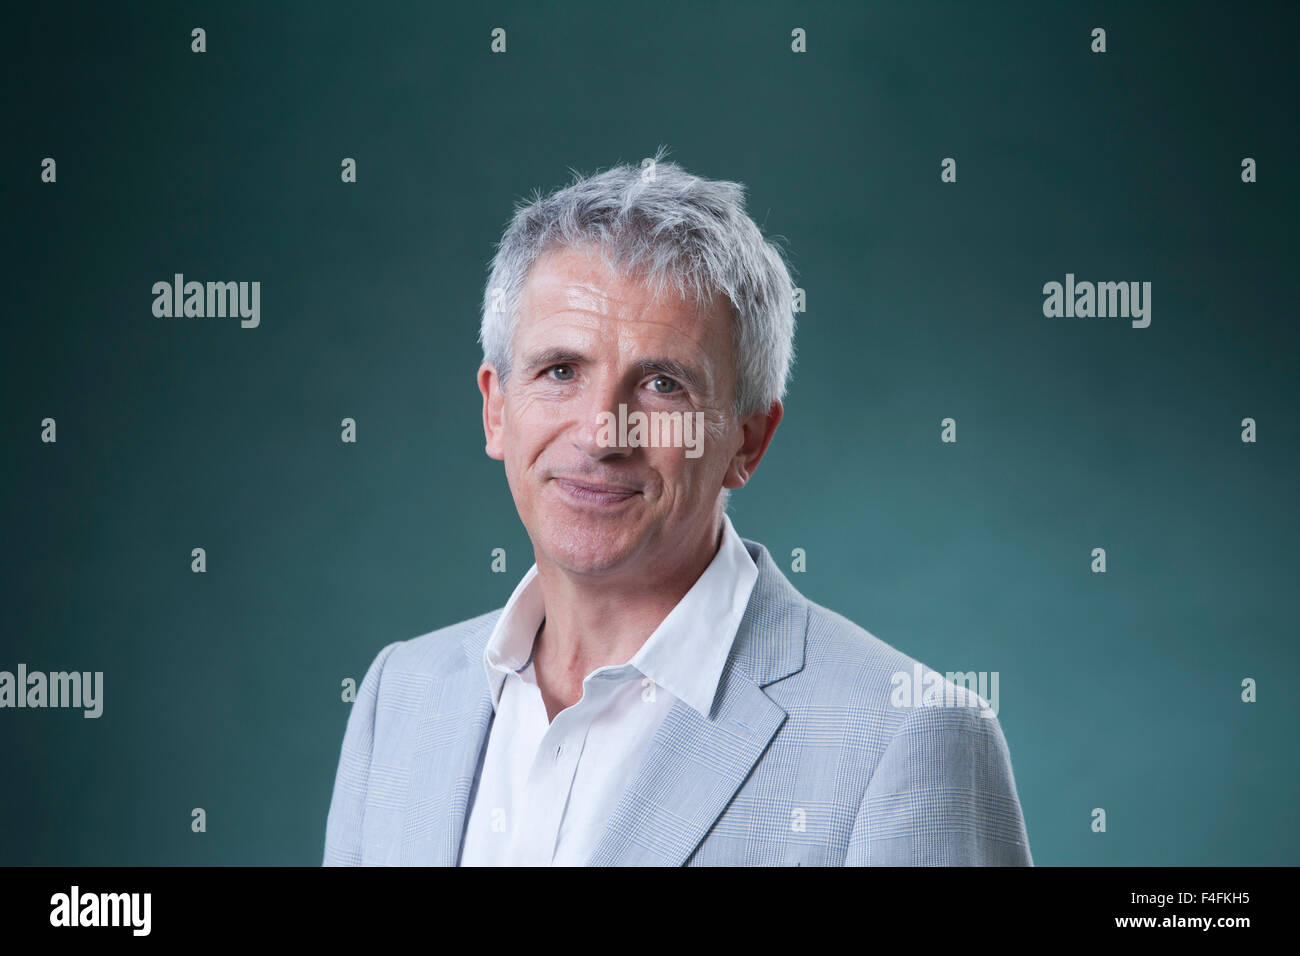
<point>571,291</point>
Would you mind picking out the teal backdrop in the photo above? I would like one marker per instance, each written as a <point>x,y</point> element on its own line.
<point>222,690</point>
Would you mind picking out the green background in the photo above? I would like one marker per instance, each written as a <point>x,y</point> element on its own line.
<point>222,690</point>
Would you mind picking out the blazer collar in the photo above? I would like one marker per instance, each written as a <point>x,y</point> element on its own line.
<point>769,644</point>
<point>694,765</point>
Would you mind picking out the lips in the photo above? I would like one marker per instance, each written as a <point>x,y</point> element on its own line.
<point>595,493</point>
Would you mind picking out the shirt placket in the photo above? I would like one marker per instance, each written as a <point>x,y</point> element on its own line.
<point>555,769</point>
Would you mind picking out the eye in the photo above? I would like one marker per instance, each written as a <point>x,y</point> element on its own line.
<point>672,383</point>
<point>566,372</point>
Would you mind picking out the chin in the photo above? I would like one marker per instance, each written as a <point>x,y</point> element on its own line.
<point>585,547</point>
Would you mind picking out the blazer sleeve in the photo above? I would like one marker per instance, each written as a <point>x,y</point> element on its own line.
<point>347,805</point>
<point>943,794</point>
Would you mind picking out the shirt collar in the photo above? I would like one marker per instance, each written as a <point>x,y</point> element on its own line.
<point>510,647</point>
<point>685,654</point>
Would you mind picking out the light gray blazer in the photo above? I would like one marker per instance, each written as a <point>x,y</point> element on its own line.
<point>802,761</point>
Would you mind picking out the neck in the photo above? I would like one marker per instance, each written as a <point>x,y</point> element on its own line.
<point>594,622</point>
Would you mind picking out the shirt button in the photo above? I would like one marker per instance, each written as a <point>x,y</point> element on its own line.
<point>559,750</point>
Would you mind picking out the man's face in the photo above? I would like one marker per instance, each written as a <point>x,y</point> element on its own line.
<point>588,340</point>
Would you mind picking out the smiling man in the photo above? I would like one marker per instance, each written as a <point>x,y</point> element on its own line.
<point>655,691</point>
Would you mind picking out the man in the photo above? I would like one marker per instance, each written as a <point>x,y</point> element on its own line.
<point>654,692</point>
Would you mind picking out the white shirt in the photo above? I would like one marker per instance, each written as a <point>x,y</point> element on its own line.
<point>547,789</point>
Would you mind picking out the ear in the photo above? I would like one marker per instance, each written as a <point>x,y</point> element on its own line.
<point>493,400</point>
<point>757,431</point>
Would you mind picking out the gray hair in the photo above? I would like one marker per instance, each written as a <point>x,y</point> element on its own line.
<point>665,225</point>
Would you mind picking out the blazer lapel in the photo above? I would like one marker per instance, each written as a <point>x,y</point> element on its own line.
<point>455,719</point>
<point>696,764</point>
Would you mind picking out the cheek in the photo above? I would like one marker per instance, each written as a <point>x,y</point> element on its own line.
<point>530,427</point>
<point>521,426</point>
<point>512,446</point>
<point>685,480</point>
<point>713,440</point>
<point>718,439</point>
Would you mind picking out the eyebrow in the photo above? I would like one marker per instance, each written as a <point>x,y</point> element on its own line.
<point>553,356</point>
<point>664,366</point>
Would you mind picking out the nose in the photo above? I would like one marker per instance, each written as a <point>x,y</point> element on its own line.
<point>601,431</point>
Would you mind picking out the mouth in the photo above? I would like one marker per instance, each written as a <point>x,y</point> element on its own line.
<point>595,494</point>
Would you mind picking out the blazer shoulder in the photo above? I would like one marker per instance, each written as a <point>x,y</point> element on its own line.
<point>442,650</point>
<point>859,670</point>
<point>835,641</point>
